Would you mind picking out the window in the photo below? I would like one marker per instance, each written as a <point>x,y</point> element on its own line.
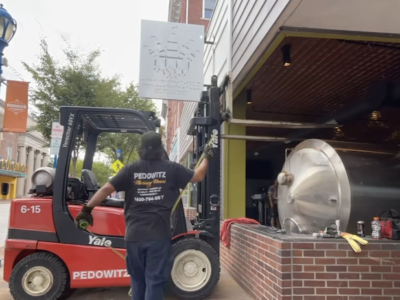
<point>208,8</point>
<point>9,152</point>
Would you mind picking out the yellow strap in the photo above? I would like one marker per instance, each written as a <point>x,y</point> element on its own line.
<point>112,249</point>
<point>360,240</point>
<point>352,243</point>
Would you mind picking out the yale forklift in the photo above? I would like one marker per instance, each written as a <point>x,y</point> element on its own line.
<point>46,254</point>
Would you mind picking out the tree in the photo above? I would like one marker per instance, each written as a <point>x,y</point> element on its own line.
<point>50,163</point>
<point>127,143</point>
<point>78,82</point>
<point>102,171</point>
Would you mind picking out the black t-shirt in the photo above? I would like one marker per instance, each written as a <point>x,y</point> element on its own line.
<point>151,189</point>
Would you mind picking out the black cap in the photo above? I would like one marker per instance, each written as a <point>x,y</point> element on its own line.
<point>151,141</point>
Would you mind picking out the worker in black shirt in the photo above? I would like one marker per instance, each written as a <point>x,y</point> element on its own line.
<point>151,186</point>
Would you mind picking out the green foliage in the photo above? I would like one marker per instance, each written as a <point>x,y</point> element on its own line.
<point>108,143</point>
<point>51,162</point>
<point>79,82</point>
<point>102,171</point>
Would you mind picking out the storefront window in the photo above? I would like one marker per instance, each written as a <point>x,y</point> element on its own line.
<point>9,152</point>
<point>208,8</point>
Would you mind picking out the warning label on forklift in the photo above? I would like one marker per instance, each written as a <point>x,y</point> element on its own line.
<point>85,275</point>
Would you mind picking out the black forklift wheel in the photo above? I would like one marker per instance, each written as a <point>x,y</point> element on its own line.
<point>195,271</point>
<point>39,276</point>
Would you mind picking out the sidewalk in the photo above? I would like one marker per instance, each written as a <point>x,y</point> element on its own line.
<point>4,217</point>
<point>227,289</point>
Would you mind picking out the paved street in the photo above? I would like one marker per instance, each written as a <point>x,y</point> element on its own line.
<point>226,289</point>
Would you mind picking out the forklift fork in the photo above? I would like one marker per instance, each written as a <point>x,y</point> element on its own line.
<point>205,125</point>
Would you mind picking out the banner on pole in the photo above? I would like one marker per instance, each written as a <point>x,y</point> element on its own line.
<point>16,107</point>
<point>171,61</point>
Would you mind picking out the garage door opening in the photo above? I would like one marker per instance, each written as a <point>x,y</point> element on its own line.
<point>354,84</point>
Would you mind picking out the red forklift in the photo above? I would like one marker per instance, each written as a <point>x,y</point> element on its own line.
<point>47,255</point>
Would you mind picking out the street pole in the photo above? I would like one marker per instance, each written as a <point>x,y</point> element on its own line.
<point>9,27</point>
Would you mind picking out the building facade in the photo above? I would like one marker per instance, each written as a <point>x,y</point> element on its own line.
<point>21,154</point>
<point>301,61</point>
<point>192,12</point>
<point>34,152</point>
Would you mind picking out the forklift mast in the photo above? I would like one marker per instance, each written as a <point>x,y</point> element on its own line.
<point>205,124</point>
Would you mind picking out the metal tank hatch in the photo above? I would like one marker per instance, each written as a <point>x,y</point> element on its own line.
<point>322,182</point>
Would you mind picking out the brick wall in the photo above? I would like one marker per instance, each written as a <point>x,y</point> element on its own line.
<point>174,119</point>
<point>195,16</point>
<point>322,270</point>
<point>195,13</point>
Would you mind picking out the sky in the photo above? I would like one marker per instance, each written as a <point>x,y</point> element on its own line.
<point>89,24</point>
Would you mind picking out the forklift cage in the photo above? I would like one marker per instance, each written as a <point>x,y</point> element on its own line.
<point>88,123</point>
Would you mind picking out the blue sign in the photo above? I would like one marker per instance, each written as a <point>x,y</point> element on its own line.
<point>118,153</point>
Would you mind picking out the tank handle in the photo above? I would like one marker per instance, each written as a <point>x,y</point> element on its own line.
<point>286,158</point>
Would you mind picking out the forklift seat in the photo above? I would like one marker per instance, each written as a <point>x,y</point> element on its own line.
<point>90,182</point>
<point>92,186</point>
<point>76,190</point>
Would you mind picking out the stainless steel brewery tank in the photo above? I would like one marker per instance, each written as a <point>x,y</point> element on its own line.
<point>322,182</point>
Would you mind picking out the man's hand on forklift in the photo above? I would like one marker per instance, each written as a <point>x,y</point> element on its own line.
<point>85,215</point>
<point>209,152</point>
<point>201,170</point>
<point>98,198</point>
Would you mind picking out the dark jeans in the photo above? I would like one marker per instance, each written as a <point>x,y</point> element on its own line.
<point>149,264</point>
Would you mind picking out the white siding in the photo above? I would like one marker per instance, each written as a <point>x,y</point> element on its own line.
<point>360,16</point>
<point>216,62</point>
<point>253,20</point>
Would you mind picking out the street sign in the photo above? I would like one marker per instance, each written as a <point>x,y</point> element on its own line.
<point>116,166</point>
<point>57,130</point>
<point>56,137</point>
<point>55,143</point>
<point>171,61</point>
<point>118,153</point>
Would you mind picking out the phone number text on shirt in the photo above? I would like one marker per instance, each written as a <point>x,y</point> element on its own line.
<point>144,199</point>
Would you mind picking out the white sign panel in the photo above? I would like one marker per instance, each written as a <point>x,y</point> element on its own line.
<point>54,150</point>
<point>57,130</point>
<point>171,61</point>
<point>55,143</point>
<point>56,136</point>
